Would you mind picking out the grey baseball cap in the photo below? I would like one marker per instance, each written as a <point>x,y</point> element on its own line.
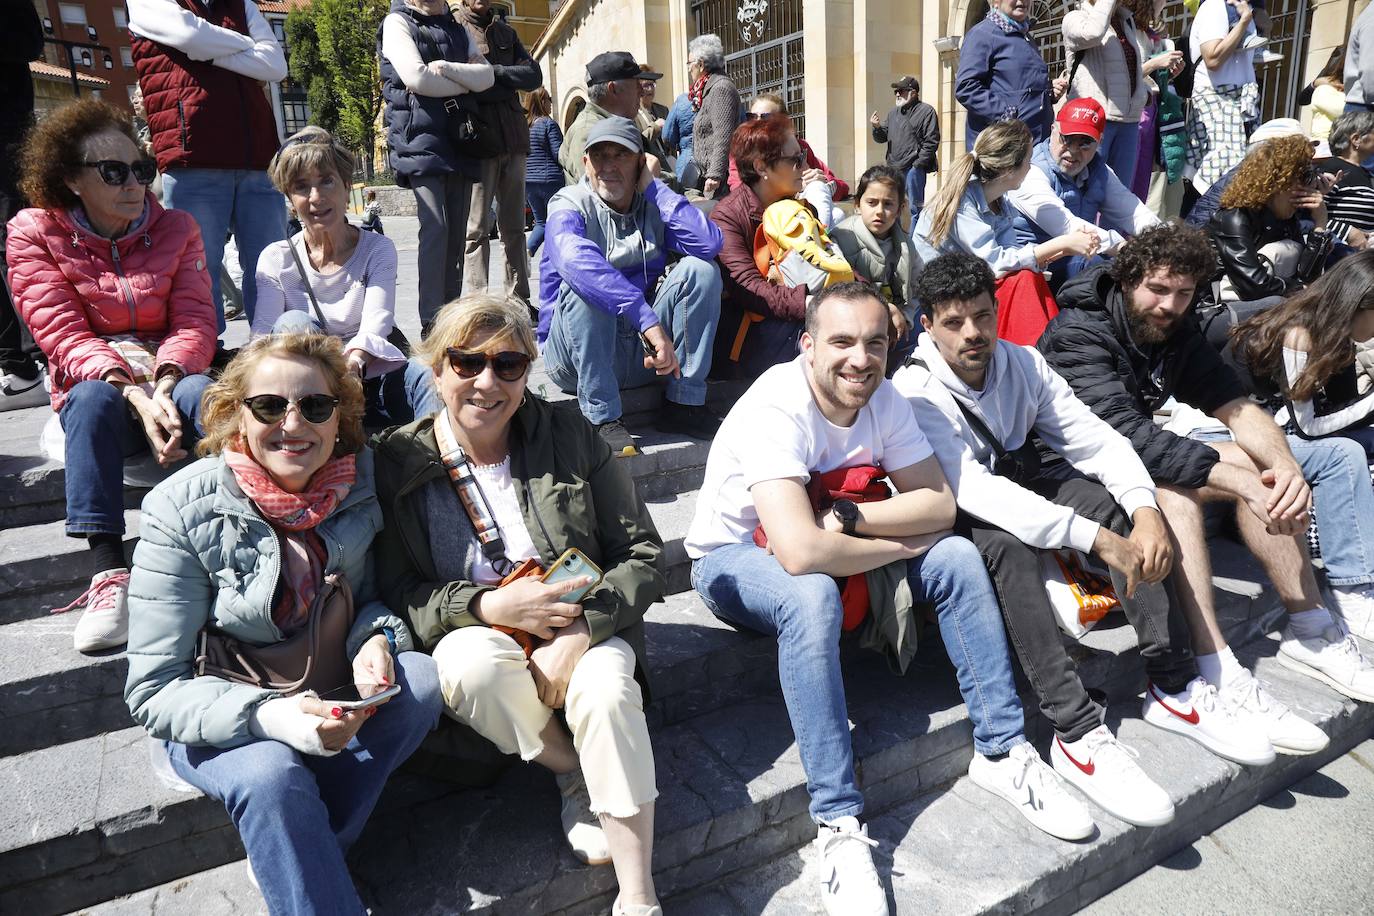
<point>616,129</point>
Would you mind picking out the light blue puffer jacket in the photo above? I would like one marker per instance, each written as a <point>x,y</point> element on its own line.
<point>205,554</point>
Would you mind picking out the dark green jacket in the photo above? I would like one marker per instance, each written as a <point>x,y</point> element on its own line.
<point>572,493</point>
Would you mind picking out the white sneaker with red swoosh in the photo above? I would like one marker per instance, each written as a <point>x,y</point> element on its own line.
<point>1105,770</point>
<point>1199,714</point>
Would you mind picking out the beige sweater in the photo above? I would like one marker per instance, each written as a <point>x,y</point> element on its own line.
<point>1102,74</point>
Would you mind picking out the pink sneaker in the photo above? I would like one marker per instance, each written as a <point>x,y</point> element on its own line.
<point>105,622</point>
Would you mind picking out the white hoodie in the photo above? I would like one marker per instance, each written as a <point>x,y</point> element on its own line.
<point>1020,394</point>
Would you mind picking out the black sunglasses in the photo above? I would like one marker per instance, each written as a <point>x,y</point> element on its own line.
<point>509,365</point>
<point>271,408</point>
<point>114,172</point>
<point>798,160</point>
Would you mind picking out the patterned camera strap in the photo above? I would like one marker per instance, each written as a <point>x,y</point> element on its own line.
<point>470,495</point>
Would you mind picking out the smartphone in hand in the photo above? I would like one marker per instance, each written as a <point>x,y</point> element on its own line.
<point>348,697</point>
<point>574,565</point>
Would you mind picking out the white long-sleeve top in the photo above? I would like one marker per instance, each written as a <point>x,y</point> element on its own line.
<point>1021,394</point>
<point>256,55</point>
<point>358,300</point>
<point>1122,216</point>
<point>439,78</point>
<point>1304,413</point>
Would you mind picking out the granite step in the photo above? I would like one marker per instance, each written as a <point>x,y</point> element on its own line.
<point>93,822</point>
<point>42,568</point>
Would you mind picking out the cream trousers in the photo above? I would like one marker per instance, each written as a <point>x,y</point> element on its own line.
<point>487,685</point>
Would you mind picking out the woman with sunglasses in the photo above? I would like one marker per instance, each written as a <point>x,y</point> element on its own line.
<point>116,292</point>
<point>766,104</point>
<point>334,278</point>
<point>472,497</point>
<point>242,542</point>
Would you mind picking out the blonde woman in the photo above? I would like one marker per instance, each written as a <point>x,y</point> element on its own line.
<point>969,215</point>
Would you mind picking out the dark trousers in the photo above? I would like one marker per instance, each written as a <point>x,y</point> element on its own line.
<point>17,349</point>
<point>1015,571</point>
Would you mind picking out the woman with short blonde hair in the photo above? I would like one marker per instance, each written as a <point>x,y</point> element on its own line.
<point>497,481</point>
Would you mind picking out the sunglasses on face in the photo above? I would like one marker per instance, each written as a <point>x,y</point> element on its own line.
<point>799,160</point>
<point>509,365</point>
<point>114,172</point>
<point>271,408</point>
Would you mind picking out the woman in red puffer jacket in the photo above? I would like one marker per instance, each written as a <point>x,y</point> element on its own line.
<point>116,292</point>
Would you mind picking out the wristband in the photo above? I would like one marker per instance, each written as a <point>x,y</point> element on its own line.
<point>390,635</point>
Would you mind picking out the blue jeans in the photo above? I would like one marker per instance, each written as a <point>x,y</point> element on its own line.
<point>538,194</point>
<point>746,587</point>
<point>596,353</point>
<point>399,397</point>
<point>1120,148</point>
<point>101,430</point>
<point>220,199</point>
<point>915,192</point>
<point>297,814</point>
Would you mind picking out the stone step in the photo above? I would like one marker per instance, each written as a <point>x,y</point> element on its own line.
<point>942,852</point>
<point>40,564</point>
<point>732,794</point>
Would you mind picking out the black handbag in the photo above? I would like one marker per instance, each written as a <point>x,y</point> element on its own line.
<point>1021,466</point>
<point>473,132</point>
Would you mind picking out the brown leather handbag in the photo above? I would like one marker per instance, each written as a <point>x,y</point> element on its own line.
<point>315,658</point>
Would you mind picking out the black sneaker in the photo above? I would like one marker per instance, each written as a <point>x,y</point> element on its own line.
<point>618,438</point>
<point>695,421</point>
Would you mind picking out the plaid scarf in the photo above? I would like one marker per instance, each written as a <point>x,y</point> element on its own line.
<point>697,91</point>
<point>1008,24</point>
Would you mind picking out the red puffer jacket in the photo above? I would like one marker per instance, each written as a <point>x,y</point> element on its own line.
<point>75,288</point>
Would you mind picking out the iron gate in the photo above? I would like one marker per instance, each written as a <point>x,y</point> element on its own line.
<point>763,47</point>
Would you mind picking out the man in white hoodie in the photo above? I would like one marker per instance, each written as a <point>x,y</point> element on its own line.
<point>979,400</point>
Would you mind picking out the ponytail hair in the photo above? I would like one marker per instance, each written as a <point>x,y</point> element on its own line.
<point>999,149</point>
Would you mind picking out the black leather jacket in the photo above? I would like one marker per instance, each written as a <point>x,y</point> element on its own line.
<point>1238,235</point>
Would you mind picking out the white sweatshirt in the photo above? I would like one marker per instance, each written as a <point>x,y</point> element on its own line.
<point>255,55</point>
<point>1020,394</point>
<point>439,78</point>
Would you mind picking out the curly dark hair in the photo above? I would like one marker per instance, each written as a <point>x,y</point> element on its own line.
<point>1174,245</point>
<point>1273,167</point>
<point>954,277</point>
<point>52,151</point>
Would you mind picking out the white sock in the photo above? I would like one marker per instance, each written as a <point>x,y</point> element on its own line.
<point>1220,667</point>
<point>1310,624</point>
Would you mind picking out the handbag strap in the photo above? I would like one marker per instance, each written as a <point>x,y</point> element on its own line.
<point>979,427</point>
<point>471,497</point>
<point>305,278</point>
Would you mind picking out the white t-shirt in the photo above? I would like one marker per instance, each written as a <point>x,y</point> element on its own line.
<point>776,431</point>
<point>499,489</point>
<point>1211,24</point>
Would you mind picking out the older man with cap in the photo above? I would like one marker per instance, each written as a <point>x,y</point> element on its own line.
<point>613,314</point>
<point>613,88</point>
<point>912,134</point>
<point>1070,187</point>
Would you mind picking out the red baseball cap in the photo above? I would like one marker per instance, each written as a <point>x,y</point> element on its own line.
<point>1082,116</point>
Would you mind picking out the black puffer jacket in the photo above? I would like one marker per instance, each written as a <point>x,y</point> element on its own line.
<point>1238,235</point>
<point>1089,343</point>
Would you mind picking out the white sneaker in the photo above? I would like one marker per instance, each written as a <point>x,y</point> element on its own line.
<point>105,622</point>
<point>1208,722</point>
<point>1105,770</point>
<point>1255,41</point>
<point>1026,781</point>
<point>1268,57</point>
<point>580,825</point>
<point>1354,606</point>
<point>1288,732</point>
<point>17,393</point>
<point>1334,658</point>
<point>849,882</point>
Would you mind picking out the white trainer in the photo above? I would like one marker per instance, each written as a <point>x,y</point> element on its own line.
<point>849,883</point>
<point>1354,607</point>
<point>1287,731</point>
<point>1105,770</point>
<point>17,393</point>
<point>1037,791</point>
<point>105,622</point>
<point>1334,659</point>
<point>580,825</point>
<point>1207,721</point>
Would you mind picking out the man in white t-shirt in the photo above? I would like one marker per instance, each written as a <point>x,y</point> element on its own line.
<point>1225,100</point>
<point>828,409</point>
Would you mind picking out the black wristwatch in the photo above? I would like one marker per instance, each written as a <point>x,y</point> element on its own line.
<point>847,512</point>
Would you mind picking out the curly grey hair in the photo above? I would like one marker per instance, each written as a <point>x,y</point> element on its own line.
<point>707,51</point>
<point>1348,126</point>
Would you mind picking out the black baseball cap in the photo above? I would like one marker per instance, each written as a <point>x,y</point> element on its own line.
<point>907,82</point>
<point>616,65</point>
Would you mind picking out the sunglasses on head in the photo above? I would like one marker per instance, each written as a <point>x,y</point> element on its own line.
<point>114,172</point>
<point>509,365</point>
<point>272,408</point>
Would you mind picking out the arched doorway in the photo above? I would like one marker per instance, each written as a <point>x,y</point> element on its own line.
<point>572,107</point>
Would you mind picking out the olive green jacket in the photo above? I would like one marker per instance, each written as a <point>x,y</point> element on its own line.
<point>573,493</point>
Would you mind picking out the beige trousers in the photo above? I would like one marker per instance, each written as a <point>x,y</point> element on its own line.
<point>487,685</point>
<point>502,179</point>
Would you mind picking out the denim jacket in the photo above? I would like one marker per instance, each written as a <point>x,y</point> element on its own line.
<point>206,555</point>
